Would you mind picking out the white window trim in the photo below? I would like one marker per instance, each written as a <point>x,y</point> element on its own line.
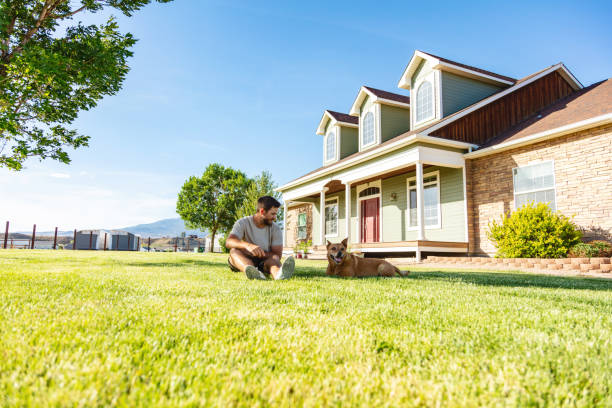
<point>372,109</point>
<point>554,187</point>
<point>359,189</point>
<point>432,78</point>
<point>336,203</point>
<point>305,226</point>
<point>336,131</point>
<point>408,188</point>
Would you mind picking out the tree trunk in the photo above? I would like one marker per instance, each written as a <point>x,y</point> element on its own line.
<point>212,240</point>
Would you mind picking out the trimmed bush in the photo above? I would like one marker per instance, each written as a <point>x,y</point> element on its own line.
<point>594,249</point>
<point>533,231</point>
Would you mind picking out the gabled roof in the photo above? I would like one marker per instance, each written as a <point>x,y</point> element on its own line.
<point>336,117</point>
<point>451,66</point>
<point>380,96</point>
<point>563,71</point>
<point>587,104</point>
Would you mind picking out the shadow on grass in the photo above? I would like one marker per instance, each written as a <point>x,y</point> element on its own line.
<point>179,263</point>
<point>516,280</point>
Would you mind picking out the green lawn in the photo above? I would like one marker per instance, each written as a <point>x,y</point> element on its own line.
<point>139,329</point>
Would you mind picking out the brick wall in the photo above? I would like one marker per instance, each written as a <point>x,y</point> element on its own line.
<point>583,177</point>
<point>292,220</point>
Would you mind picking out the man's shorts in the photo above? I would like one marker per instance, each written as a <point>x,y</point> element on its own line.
<point>258,262</point>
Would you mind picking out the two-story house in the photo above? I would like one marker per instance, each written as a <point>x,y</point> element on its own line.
<point>427,173</point>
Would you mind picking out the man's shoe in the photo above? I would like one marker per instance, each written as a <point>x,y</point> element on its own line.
<point>287,269</point>
<point>254,273</point>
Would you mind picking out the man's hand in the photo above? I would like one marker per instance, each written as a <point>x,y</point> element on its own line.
<point>255,250</point>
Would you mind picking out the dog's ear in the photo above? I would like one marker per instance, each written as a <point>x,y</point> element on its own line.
<point>345,242</point>
<point>328,243</point>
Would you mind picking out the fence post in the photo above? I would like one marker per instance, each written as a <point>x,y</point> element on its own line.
<point>187,244</point>
<point>175,243</point>
<point>33,237</point>
<point>55,239</point>
<point>90,238</point>
<point>6,234</point>
<point>74,242</point>
<point>149,250</point>
<point>138,245</point>
<point>105,236</point>
<point>128,247</point>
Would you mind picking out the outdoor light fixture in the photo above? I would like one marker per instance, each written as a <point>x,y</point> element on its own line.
<point>393,196</point>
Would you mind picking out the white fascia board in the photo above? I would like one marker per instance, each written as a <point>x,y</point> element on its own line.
<point>360,96</point>
<point>392,103</point>
<point>404,81</point>
<point>439,157</point>
<point>492,98</point>
<point>445,66</point>
<point>346,124</point>
<point>538,137</point>
<point>569,77</point>
<point>306,190</point>
<point>321,128</point>
<point>377,152</point>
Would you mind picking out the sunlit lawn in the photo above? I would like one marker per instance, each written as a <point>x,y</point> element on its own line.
<point>139,329</point>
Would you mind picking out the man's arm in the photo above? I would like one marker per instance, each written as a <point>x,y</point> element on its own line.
<point>233,241</point>
<point>276,250</point>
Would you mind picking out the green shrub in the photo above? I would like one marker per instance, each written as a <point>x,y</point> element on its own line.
<point>222,243</point>
<point>533,231</point>
<point>594,249</point>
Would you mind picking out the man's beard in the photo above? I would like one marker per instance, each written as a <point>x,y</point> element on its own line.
<point>267,221</point>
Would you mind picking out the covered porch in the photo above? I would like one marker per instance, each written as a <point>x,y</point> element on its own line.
<point>412,201</point>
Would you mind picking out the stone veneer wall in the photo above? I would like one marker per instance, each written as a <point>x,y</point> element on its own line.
<point>580,265</point>
<point>292,220</point>
<point>583,181</point>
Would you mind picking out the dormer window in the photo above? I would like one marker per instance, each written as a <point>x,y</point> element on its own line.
<point>330,146</point>
<point>367,137</point>
<point>424,105</point>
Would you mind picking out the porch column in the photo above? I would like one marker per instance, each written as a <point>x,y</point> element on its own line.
<point>284,223</point>
<point>322,216</point>
<point>347,207</point>
<point>420,205</point>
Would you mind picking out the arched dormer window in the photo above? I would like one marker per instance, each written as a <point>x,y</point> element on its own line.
<point>367,136</point>
<point>330,146</point>
<point>424,105</point>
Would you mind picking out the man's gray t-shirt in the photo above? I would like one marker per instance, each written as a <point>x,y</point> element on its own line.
<point>266,237</point>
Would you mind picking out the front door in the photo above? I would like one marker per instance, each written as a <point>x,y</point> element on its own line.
<point>370,220</point>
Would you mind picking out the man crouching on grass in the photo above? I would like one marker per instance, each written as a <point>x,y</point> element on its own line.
<point>256,244</point>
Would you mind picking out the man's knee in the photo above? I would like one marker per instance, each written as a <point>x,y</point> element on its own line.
<point>236,252</point>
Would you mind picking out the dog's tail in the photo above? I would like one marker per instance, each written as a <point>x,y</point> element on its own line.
<point>401,273</point>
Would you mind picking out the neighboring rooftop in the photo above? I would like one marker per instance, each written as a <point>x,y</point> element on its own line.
<point>389,95</point>
<point>343,117</point>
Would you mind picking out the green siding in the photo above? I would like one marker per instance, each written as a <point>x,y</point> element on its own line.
<point>394,121</point>
<point>394,212</point>
<point>459,92</point>
<point>349,142</point>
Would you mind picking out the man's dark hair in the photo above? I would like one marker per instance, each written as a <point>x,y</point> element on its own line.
<point>267,202</point>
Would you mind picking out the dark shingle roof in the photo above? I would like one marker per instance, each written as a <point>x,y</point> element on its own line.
<point>389,95</point>
<point>343,117</point>
<point>482,71</point>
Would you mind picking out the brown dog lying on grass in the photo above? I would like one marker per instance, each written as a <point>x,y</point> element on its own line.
<point>341,263</point>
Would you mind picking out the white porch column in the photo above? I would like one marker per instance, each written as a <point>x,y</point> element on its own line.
<point>347,207</point>
<point>285,223</point>
<point>420,205</point>
<point>322,216</point>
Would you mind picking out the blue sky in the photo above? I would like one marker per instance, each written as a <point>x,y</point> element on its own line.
<point>245,84</point>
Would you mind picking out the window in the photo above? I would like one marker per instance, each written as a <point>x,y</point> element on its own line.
<point>431,201</point>
<point>424,106</point>
<point>534,183</point>
<point>367,136</point>
<point>369,191</point>
<point>331,217</point>
<point>330,147</point>
<point>301,226</point>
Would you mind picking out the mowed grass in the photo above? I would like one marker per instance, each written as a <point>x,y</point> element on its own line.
<point>139,329</point>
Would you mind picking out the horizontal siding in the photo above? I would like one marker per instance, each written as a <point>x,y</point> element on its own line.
<point>459,92</point>
<point>395,121</point>
<point>349,142</point>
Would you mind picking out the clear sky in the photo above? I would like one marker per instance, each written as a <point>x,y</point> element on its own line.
<point>245,83</point>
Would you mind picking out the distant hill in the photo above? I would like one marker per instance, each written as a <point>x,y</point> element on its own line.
<point>169,227</point>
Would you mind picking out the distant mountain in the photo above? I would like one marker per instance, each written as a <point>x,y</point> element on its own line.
<point>169,227</point>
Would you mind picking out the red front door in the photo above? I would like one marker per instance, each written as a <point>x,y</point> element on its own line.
<point>370,220</point>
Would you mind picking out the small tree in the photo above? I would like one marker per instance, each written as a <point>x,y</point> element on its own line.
<point>261,185</point>
<point>533,231</point>
<point>211,202</point>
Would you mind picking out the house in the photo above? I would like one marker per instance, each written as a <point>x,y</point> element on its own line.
<point>426,174</point>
